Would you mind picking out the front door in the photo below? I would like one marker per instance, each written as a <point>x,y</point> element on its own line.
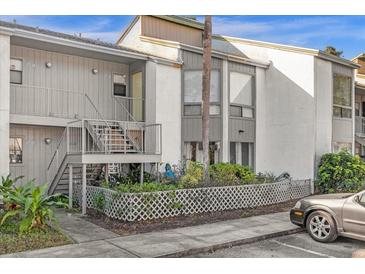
<point>137,95</point>
<point>354,215</point>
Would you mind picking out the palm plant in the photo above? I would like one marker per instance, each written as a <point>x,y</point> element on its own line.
<point>33,206</point>
<point>7,187</point>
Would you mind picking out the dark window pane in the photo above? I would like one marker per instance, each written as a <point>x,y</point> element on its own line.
<point>193,151</point>
<point>342,90</point>
<point>336,111</point>
<point>16,150</point>
<point>245,154</point>
<point>235,111</point>
<point>192,110</point>
<point>15,77</point>
<point>346,113</point>
<point>232,152</point>
<point>120,89</point>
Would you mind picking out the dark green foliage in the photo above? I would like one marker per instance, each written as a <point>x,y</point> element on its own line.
<point>30,205</point>
<point>224,174</point>
<point>340,172</point>
<point>146,187</point>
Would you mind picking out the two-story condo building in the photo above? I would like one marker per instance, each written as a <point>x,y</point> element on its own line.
<point>69,103</point>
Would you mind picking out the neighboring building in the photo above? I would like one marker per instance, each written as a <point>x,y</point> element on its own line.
<point>360,106</point>
<point>81,102</point>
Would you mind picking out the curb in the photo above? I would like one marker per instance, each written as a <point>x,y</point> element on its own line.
<point>216,247</point>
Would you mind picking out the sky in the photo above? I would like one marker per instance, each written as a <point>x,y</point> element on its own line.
<point>345,33</point>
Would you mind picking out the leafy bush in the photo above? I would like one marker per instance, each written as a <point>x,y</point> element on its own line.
<point>340,172</point>
<point>31,206</point>
<point>230,174</point>
<point>146,187</point>
<point>6,188</point>
<point>193,175</point>
<point>269,177</point>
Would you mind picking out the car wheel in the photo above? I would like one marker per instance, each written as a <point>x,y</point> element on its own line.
<point>321,227</point>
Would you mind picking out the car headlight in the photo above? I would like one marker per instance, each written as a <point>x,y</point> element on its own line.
<point>298,204</point>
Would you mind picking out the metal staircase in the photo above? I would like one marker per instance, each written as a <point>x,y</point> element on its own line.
<point>102,141</point>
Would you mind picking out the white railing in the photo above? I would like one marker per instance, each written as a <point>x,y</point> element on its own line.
<point>88,136</point>
<point>71,104</point>
<point>57,158</point>
<point>165,204</point>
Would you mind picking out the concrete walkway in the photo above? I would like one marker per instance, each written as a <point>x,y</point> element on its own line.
<point>94,241</point>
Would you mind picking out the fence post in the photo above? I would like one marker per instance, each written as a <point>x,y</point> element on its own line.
<point>83,136</point>
<point>70,186</point>
<point>84,196</point>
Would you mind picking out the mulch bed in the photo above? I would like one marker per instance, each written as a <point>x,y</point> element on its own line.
<point>130,228</point>
<point>11,241</point>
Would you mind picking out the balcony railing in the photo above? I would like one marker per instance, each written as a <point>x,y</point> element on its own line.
<point>99,136</point>
<point>52,102</point>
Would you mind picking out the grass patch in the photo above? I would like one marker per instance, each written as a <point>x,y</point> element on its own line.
<point>11,241</point>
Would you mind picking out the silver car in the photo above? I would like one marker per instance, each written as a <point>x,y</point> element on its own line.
<point>327,216</point>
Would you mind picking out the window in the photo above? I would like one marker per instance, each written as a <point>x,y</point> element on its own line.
<point>338,146</point>
<point>193,92</point>
<point>241,95</point>
<point>342,96</point>
<point>357,109</point>
<point>194,151</point>
<point>119,85</point>
<point>16,150</point>
<point>232,152</point>
<point>16,71</point>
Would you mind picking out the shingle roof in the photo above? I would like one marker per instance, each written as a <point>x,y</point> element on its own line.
<point>67,36</point>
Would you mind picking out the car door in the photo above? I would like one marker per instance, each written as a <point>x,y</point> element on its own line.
<point>354,215</point>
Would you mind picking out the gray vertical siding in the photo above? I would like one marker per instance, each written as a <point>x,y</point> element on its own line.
<point>36,154</point>
<point>236,124</point>
<point>46,89</point>
<point>192,125</point>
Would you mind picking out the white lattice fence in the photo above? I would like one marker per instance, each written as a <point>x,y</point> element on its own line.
<point>155,205</point>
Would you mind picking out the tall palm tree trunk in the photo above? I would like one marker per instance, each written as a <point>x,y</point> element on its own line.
<point>207,53</point>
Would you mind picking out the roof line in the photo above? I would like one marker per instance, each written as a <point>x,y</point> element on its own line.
<point>181,21</point>
<point>215,53</point>
<point>128,29</point>
<point>308,51</point>
<point>87,44</point>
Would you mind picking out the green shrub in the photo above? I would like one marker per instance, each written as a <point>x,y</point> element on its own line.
<point>32,207</point>
<point>340,172</point>
<point>193,175</point>
<point>230,174</point>
<point>146,187</point>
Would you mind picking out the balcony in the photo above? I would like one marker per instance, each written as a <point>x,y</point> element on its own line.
<point>28,100</point>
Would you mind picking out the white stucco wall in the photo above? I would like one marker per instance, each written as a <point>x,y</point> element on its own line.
<point>285,131</point>
<point>168,111</point>
<point>323,91</point>
<point>4,103</point>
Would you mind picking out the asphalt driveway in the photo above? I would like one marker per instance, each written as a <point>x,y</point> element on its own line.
<point>298,245</point>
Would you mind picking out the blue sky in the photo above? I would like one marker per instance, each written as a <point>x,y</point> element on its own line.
<point>346,33</point>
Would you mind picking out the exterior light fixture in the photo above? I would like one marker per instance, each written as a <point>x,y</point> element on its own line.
<point>47,140</point>
<point>94,71</point>
<point>48,64</point>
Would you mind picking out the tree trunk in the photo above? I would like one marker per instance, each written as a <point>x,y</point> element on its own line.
<point>207,52</point>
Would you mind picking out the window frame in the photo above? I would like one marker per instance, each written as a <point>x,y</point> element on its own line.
<point>185,114</point>
<point>342,107</point>
<point>21,71</point>
<point>126,86</point>
<point>22,144</point>
<point>243,106</point>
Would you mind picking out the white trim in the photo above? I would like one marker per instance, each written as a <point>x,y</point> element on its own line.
<point>82,45</point>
